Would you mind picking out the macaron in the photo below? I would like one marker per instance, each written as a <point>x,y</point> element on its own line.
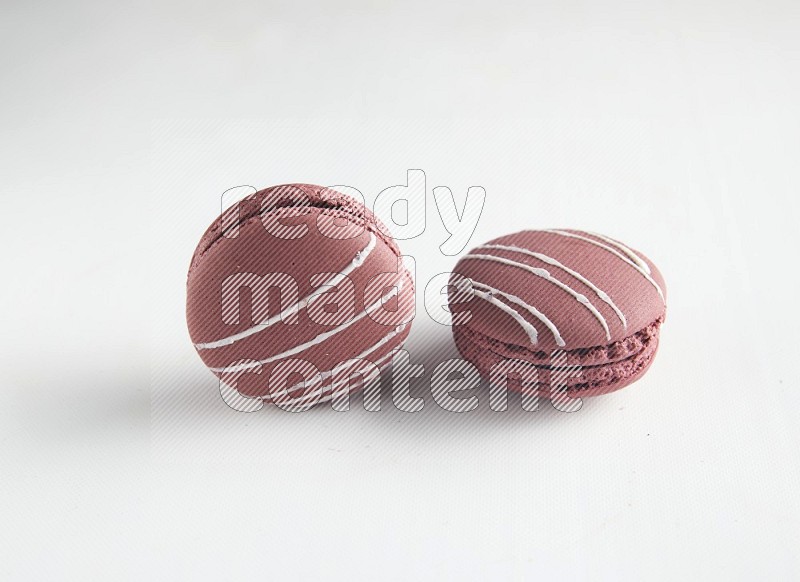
<point>295,294</point>
<point>556,300</point>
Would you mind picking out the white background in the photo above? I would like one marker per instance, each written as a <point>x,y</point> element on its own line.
<point>670,125</point>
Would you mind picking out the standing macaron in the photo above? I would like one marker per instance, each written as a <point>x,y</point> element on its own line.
<point>555,300</point>
<point>296,294</point>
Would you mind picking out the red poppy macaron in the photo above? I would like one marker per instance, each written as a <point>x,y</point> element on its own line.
<point>558,299</point>
<point>293,291</point>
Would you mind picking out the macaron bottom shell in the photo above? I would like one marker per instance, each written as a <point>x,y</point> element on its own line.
<point>593,371</point>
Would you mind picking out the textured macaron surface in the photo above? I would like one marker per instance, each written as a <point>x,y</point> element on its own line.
<point>291,276</point>
<point>533,293</point>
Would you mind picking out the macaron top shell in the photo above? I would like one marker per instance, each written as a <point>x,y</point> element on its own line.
<point>558,289</point>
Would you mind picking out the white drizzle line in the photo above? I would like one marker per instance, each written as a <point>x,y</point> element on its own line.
<point>533,335</point>
<point>329,373</point>
<point>544,274</point>
<point>613,251</point>
<point>317,339</point>
<point>628,251</point>
<point>529,308</point>
<point>357,261</point>
<point>367,376</point>
<point>551,261</point>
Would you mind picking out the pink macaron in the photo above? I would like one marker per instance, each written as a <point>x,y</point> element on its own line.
<point>297,293</point>
<point>555,300</point>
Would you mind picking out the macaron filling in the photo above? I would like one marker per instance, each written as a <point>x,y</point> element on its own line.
<point>616,364</point>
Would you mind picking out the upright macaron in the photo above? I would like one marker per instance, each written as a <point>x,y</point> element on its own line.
<point>559,299</point>
<point>296,293</point>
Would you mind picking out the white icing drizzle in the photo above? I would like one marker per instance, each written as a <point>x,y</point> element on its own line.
<point>533,335</point>
<point>317,339</point>
<point>527,307</point>
<point>551,261</point>
<point>329,373</point>
<point>628,251</point>
<point>613,251</point>
<point>544,274</point>
<point>357,261</point>
<point>367,376</point>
